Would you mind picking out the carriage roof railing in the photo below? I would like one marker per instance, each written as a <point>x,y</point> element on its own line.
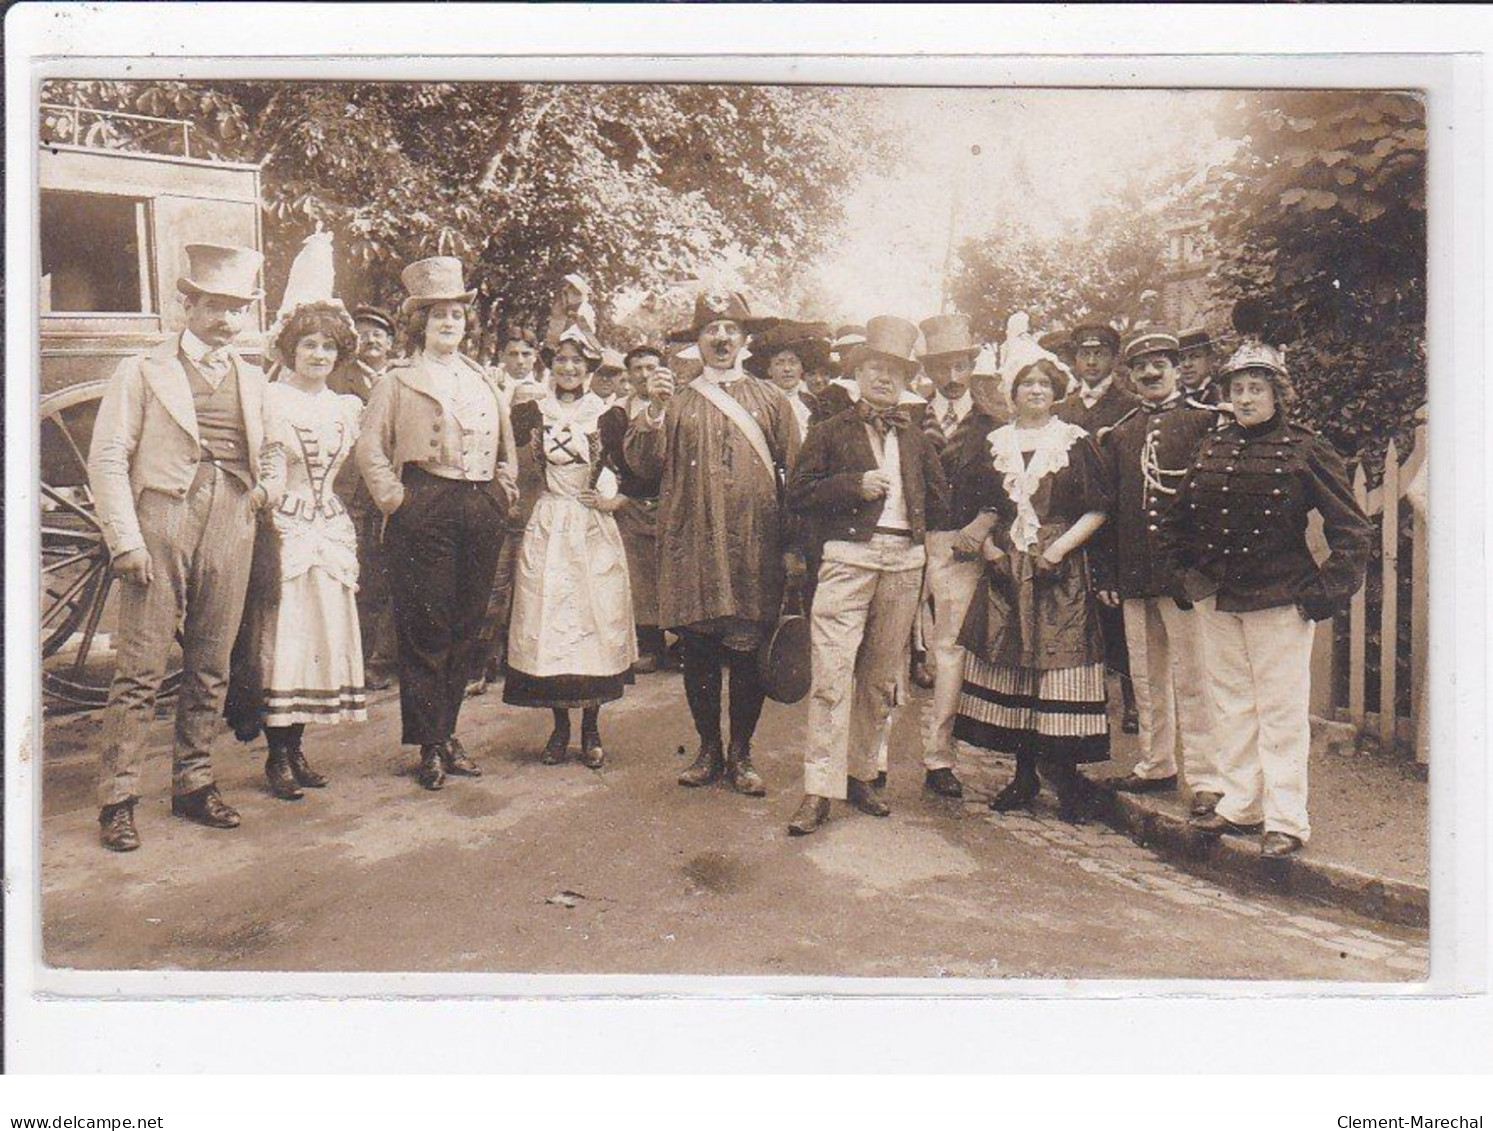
<point>98,135</point>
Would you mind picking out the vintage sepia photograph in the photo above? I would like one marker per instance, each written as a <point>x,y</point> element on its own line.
<point>732,529</point>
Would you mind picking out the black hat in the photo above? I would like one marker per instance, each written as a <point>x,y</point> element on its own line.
<point>808,341</point>
<point>375,314</point>
<point>1096,334</point>
<point>641,351</point>
<point>720,306</point>
<point>1195,337</point>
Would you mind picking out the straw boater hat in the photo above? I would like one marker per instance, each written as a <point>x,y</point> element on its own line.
<point>217,269</point>
<point>947,335</point>
<point>1151,339</point>
<point>429,281</point>
<point>808,341</point>
<point>721,306</point>
<point>889,337</point>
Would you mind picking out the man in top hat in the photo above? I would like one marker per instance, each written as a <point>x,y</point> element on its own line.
<point>783,354</point>
<point>1099,404</point>
<point>948,360</point>
<point>719,450</point>
<point>869,483</point>
<point>357,376</point>
<point>1196,367</point>
<point>1147,453</point>
<point>178,466</point>
<point>637,521</point>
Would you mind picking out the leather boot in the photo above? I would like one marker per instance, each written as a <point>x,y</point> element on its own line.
<point>740,773</point>
<point>301,769</point>
<point>863,796</point>
<point>1022,790</point>
<point>205,806</point>
<point>432,774</point>
<point>117,827</point>
<point>455,761</point>
<point>708,765</point>
<point>1078,799</point>
<point>555,747</point>
<point>277,772</point>
<point>812,813</point>
<point>592,754</point>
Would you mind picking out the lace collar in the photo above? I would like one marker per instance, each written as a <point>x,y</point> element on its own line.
<point>1049,446</point>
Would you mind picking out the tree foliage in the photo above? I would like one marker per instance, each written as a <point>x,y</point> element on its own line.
<point>1104,268</point>
<point>1321,216</point>
<point>633,186</point>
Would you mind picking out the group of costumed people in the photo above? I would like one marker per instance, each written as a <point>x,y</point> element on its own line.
<point>1009,527</point>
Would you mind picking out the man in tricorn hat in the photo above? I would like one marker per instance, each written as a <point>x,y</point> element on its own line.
<point>868,481</point>
<point>177,471</point>
<point>1099,404</point>
<point>1146,454</point>
<point>1196,366</point>
<point>719,450</point>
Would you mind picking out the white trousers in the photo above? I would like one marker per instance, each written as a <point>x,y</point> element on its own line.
<point>861,627</point>
<point>951,584</point>
<point>1169,665</point>
<point>1261,664</point>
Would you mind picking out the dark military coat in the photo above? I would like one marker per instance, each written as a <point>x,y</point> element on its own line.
<point>1238,525</point>
<point>1107,410</point>
<point>1146,454</point>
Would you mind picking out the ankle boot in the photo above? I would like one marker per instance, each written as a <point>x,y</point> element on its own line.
<point>1077,800</point>
<point>1023,789</point>
<point>740,773</point>
<point>556,746</point>
<point>592,754</point>
<point>432,774</point>
<point>301,769</point>
<point>277,771</point>
<point>708,765</point>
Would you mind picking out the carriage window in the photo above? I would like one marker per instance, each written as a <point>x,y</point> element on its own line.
<point>92,257</point>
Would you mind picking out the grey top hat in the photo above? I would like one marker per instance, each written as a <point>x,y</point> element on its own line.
<point>218,269</point>
<point>433,280</point>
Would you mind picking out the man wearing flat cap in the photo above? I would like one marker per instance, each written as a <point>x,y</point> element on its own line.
<point>720,450</point>
<point>357,376</point>
<point>1196,367</point>
<point>178,466</point>
<point>1099,404</point>
<point>1147,454</point>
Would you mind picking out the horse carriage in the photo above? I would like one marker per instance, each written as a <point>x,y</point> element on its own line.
<point>113,226</point>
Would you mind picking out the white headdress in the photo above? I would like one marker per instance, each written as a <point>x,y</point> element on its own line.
<point>1021,350</point>
<point>312,280</point>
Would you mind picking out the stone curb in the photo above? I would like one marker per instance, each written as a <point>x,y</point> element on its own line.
<point>1238,858</point>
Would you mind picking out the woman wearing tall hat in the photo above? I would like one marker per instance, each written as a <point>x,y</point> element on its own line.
<point>1034,672</point>
<point>437,453</point>
<point>571,644</point>
<point>1237,533</point>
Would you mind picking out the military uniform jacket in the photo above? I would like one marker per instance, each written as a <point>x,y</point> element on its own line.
<point>1146,455</point>
<point>1238,526</point>
<point>1107,410</point>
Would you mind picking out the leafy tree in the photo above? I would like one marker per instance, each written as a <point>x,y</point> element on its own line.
<point>1320,215</point>
<point>631,185</point>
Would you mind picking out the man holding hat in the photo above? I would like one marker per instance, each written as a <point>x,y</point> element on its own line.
<point>1196,367</point>
<point>1099,404</point>
<point>178,466</point>
<point>869,483</point>
<point>358,376</point>
<point>719,450</point>
<point>1147,454</point>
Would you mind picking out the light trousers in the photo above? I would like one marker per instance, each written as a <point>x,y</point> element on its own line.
<point>1169,666</point>
<point>864,606</point>
<point>1261,663</point>
<point>951,583</point>
<point>200,550</point>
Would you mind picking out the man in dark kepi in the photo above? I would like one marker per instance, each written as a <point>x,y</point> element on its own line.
<point>1196,367</point>
<point>1097,406</point>
<point>1146,454</point>
<point>719,450</point>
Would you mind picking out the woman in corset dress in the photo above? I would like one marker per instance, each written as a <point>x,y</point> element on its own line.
<point>310,644</point>
<point>1034,672</point>
<point>571,642</point>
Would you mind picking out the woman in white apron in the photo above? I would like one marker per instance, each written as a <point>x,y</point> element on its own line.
<point>571,642</point>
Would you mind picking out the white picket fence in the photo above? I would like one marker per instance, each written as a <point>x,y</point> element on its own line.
<point>1401,486</point>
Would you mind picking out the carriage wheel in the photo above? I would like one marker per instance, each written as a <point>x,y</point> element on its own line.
<point>77,614</point>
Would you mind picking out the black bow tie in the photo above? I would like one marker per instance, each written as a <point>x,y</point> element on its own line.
<point>885,419</point>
